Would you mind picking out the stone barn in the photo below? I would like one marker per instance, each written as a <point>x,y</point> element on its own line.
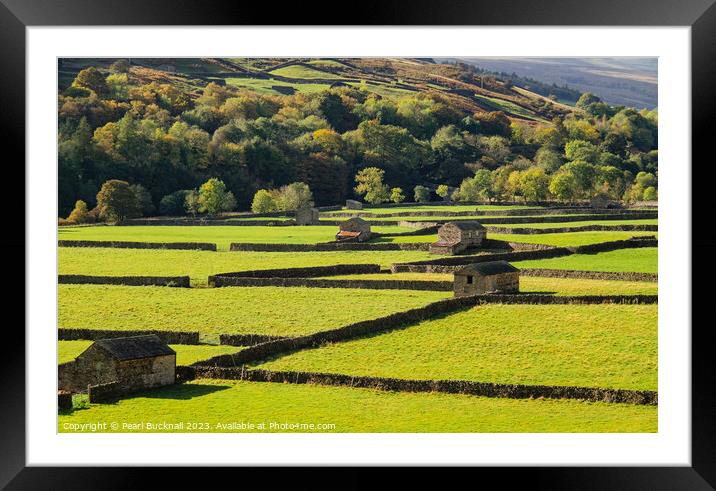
<point>488,277</point>
<point>306,214</point>
<point>353,205</point>
<point>600,201</point>
<point>354,230</point>
<point>455,237</point>
<point>133,363</point>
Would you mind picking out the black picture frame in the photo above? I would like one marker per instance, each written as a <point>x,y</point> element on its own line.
<point>16,15</point>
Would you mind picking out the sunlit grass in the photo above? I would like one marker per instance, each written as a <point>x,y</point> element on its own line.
<point>611,346</point>
<point>254,310</point>
<point>218,402</point>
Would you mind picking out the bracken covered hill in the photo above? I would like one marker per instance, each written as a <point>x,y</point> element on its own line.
<point>387,77</point>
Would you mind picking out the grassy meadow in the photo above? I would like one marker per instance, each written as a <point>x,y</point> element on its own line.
<point>223,402</point>
<point>611,346</point>
<point>233,310</point>
<point>220,235</point>
<point>200,264</point>
<point>568,239</point>
<point>642,260</point>
<point>608,223</point>
<point>608,346</point>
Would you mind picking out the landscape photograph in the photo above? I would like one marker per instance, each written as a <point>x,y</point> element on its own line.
<point>357,245</point>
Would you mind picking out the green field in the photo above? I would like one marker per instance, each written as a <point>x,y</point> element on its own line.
<point>256,310</point>
<point>643,260</point>
<point>569,238</point>
<point>612,346</point>
<point>220,235</point>
<point>200,264</point>
<point>264,86</point>
<point>509,106</point>
<point>498,219</point>
<point>384,90</point>
<point>608,223</point>
<point>533,284</point>
<point>359,410</point>
<point>300,71</point>
<point>186,354</point>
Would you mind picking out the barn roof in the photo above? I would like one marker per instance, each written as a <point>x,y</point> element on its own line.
<point>134,347</point>
<point>356,220</point>
<point>488,268</point>
<point>467,225</point>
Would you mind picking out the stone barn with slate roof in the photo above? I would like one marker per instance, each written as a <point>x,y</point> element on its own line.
<point>353,230</point>
<point>352,204</point>
<point>306,214</point>
<point>488,277</point>
<point>133,363</point>
<point>455,237</point>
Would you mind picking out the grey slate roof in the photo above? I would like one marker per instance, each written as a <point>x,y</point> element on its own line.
<point>467,225</point>
<point>135,347</point>
<point>488,268</point>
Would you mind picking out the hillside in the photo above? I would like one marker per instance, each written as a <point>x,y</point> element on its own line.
<point>166,126</point>
<point>392,78</point>
<point>625,81</point>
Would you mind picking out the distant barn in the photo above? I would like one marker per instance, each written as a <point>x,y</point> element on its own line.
<point>455,237</point>
<point>137,362</point>
<point>306,214</point>
<point>488,277</point>
<point>353,230</point>
<point>352,204</point>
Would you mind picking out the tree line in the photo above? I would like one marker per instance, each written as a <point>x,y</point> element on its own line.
<point>169,141</point>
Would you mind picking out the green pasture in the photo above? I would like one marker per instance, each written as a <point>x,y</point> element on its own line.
<point>327,63</point>
<point>186,354</point>
<point>608,223</point>
<point>383,90</point>
<point>642,260</point>
<point>568,238</point>
<point>218,402</point>
<point>550,220</point>
<point>611,346</point>
<point>300,71</point>
<point>220,235</point>
<point>234,310</point>
<point>200,264</point>
<point>265,86</point>
<point>509,106</point>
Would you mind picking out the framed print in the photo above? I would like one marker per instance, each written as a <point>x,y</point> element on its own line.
<point>427,238</point>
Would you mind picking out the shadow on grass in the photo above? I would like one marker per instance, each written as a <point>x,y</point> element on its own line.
<point>180,391</point>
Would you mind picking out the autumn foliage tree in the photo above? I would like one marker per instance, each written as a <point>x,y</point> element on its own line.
<point>117,201</point>
<point>370,184</point>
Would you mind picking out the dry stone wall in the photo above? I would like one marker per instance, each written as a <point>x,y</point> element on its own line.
<point>191,246</point>
<point>450,264</point>
<point>483,389</point>
<point>329,246</point>
<point>108,392</point>
<point>168,337</point>
<point>170,281</point>
<point>583,228</point>
<point>219,281</point>
<point>246,339</point>
<point>589,275</point>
